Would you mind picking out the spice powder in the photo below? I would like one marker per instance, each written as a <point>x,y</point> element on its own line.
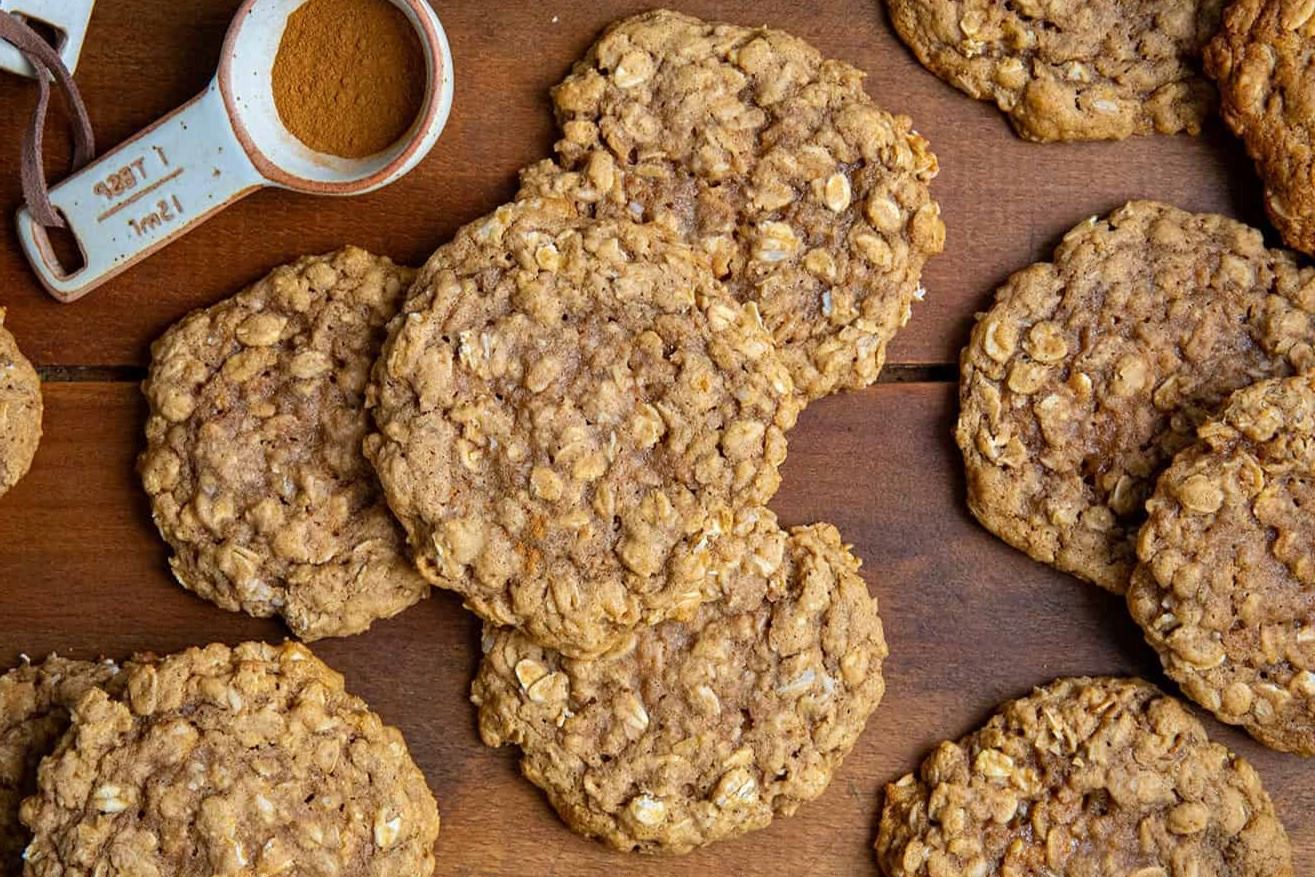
<point>350,76</point>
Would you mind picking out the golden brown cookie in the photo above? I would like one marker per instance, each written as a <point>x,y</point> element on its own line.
<point>1100,70</point>
<point>811,200</point>
<point>1084,777</point>
<point>1092,370</point>
<point>1226,587</point>
<point>253,457</point>
<point>35,702</point>
<point>1262,59</point>
<point>571,413</point>
<point>250,760</point>
<point>20,410</point>
<point>693,732</point>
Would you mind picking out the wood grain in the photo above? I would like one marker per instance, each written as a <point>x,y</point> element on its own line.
<point>1005,201</point>
<point>970,622</point>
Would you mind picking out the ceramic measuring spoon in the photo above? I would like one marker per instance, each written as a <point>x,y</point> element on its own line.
<point>222,145</point>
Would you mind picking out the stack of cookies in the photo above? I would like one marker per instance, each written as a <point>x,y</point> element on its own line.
<point>245,760</point>
<point>584,403</point>
<point>574,416</point>
<point>1140,412</point>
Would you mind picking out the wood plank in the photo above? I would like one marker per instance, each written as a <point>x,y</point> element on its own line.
<point>970,622</point>
<point>1005,201</point>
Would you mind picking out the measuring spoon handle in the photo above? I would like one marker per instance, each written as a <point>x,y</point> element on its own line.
<point>143,194</point>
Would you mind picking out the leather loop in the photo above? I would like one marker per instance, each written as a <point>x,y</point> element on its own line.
<point>47,63</point>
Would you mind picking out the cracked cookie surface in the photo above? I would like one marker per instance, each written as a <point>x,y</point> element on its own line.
<point>1226,587</point>
<point>693,732</point>
<point>216,761</point>
<point>253,459</point>
<point>1060,70</point>
<point>811,200</point>
<point>571,412</point>
<point>1262,58</point>
<point>1091,371</point>
<point>20,410</point>
<point>1084,778</point>
<point>35,703</point>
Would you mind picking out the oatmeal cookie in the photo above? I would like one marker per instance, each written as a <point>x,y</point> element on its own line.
<point>20,410</point>
<point>253,457</point>
<point>692,732</point>
<point>1226,586</point>
<point>1262,60</point>
<point>811,201</point>
<point>1091,371</point>
<point>35,702</point>
<point>214,761</point>
<point>571,412</point>
<point>1101,70</point>
<point>1084,777</point>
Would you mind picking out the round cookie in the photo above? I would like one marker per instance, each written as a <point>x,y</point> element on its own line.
<point>571,412</point>
<point>694,732</point>
<point>35,702</point>
<point>223,761</point>
<point>811,200</point>
<point>1261,59</point>
<point>20,410</point>
<point>1091,371</point>
<point>1084,777</point>
<point>1102,70</point>
<point>1226,587</point>
<point>253,456</point>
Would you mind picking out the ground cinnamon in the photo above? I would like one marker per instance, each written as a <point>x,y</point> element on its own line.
<point>349,77</point>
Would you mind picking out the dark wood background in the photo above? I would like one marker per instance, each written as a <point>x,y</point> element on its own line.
<point>970,621</point>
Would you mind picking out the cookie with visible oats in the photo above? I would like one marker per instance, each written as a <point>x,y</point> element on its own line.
<point>20,410</point>
<point>1101,70</point>
<point>1261,59</point>
<point>1226,587</point>
<point>35,702</point>
<point>811,200</point>
<point>693,732</point>
<point>249,760</point>
<point>1092,370</point>
<point>571,412</point>
<point>1083,777</point>
<point>253,455</point>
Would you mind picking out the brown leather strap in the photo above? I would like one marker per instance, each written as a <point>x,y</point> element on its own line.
<point>47,63</point>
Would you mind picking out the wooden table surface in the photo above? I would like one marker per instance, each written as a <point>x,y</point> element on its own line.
<point>970,621</point>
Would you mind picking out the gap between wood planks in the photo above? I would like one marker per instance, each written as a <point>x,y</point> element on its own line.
<point>895,373</point>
